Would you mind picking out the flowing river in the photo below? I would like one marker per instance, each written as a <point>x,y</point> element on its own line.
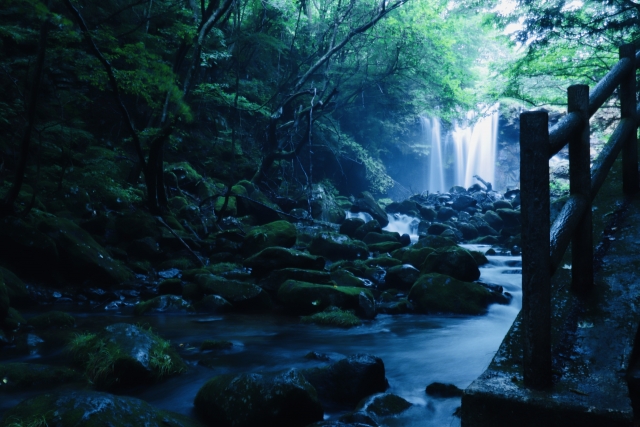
<point>416,349</point>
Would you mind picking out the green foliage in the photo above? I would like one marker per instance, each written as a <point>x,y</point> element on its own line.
<point>333,317</point>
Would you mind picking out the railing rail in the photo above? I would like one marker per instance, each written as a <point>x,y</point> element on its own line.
<point>543,244</point>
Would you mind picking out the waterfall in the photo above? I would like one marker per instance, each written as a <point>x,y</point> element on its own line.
<point>462,152</point>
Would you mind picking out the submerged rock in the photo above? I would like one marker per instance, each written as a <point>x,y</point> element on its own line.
<point>254,399</point>
<point>90,408</point>
<point>443,390</point>
<point>383,405</point>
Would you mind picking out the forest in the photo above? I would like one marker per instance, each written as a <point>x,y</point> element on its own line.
<point>263,163</point>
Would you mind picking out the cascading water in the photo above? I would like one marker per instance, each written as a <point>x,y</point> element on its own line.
<point>462,152</point>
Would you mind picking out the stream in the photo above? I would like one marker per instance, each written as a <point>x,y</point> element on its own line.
<point>416,349</point>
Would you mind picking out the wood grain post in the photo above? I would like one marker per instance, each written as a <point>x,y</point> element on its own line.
<point>536,274</point>
<point>580,184</point>
<point>628,111</point>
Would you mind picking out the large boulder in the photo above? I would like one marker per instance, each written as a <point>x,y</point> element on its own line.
<point>307,298</point>
<point>253,399</point>
<point>81,257</point>
<point>414,255</point>
<point>276,258</point>
<point>277,233</point>
<point>406,207</point>
<point>350,225</point>
<point>454,261</point>
<point>124,355</point>
<point>366,203</point>
<point>90,408</point>
<point>336,246</point>
<point>349,380</point>
<point>241,295</point>
<point>437,293</point>
<point>493,219</point>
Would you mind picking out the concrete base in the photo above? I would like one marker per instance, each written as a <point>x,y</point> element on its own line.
<point>593,339</point>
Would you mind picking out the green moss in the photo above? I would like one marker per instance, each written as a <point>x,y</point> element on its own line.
<point>340,318</point>
<point>52,319</point>
<point>307,298</point>
<point>21,376</point>
<point>277,233</point>
<point>438,293</point>
<point>215,345</point>
<point>384,247</point>
<point>162,304</point>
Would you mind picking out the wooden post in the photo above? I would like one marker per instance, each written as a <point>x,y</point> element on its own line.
<point>580,184</point>
<point>536,277</point>
<point>628,111</point>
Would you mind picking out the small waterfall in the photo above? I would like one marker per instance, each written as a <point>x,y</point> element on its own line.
<point>462,152</point>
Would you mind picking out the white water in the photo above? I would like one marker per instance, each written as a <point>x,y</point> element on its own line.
<point>403,224</point>
<point>461,153</point>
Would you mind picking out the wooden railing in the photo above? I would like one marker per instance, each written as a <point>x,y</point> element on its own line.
<point>543,244</point>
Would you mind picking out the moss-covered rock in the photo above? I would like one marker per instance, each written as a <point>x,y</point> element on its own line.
<point>493,219</point>
<point>384,248</point>
<point>124,355</point>
<point>81,257</point>
<point>349,380</point>
<point>372,226</point>
<point>401,277</point>
<point>366,203</point>
<point>249,400</point>
<point>383,261</point>
<point>413,255</point>
<point>277,258</point>
<point>307,298</point>
<point>350,225</point>
<point>275,279</point>
<point>343,277</point>
<point>333,317</point>
<point>437,293</point>
<point>24,376</point>
<point>170,287</point>
<point>241,295</point>
<point>4,301</point>
<point>89,409</point>
<point>453,261</point>
<point>53,319</point>
<point>277,233</point>
<point>212,304</point>
<point>336,246</point>
<point>163,304</point>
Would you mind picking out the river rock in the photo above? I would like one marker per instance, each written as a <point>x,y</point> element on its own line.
<point>434,242</point>
<point>241,295</point>
<point>445,214</point>
<point>383,405</point>
<point>438,293</point>
<point>254,399</point>
<point>415,255</point>
<point>124,355</point>
<point>350,225</point>
<point>406,207</point>
<point>163,304</point>
<point>454,261</point>
<point>52,319</point>
<point>502,204</point>
<point>443,390</point>
<point>401,277</point>
<point>308,298</point>
<point>349,380</point>
<point>368,227</point>
<point>428,213</point>
<point>366,203</point>
<point>90,408</point>
<point>437,228</point>
<point>342,277</point>
<point>277,233</point>
<point>336,246</point>
<point>275,279</point>
<point>374,237</point>
<point>463,202</point>
<point>277,258</point>
<point>510,217</point>
<point>469,232</point>
<point>493,219</point>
